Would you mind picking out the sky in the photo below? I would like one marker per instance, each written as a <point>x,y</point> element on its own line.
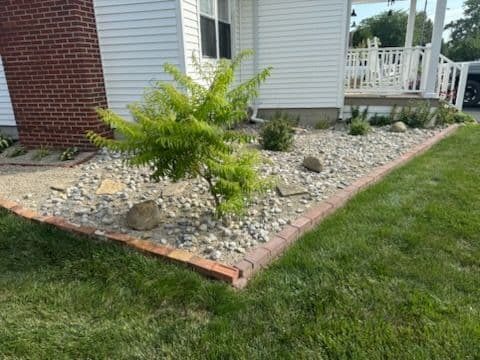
<point>454,10</point>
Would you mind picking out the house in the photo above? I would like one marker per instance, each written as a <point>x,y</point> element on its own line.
<point>63,58</point>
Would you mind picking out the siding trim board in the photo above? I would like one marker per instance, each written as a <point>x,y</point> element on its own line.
<point>7,117</point>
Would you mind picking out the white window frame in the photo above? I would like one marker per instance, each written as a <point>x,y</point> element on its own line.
<point>216,19</point>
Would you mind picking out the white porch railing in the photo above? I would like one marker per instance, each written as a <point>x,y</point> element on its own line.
<point>391,70</point>
<point>397,70</point>
<point>451,81</point>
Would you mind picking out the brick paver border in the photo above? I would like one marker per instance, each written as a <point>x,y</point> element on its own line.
<point>266,253</point>
<point>238,274</point>
<point>67,164</point>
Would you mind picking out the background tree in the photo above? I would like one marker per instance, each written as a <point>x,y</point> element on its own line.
<point>465,39</point>
<point>391,28</point>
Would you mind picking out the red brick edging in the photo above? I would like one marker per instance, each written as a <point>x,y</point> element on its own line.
<point>70,164</point>
<point>239,274</point>
<point>266,253</point>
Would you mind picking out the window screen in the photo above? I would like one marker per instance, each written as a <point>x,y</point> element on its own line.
<point>224,40</point>
<point>206,7</point>
<point>223,14</point>
<point>209,37</point>
<point>215,28</point>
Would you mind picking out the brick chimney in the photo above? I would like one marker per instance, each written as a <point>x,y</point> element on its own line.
<point>53,68</point>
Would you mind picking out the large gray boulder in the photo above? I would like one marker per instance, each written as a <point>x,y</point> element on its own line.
<point>398,127</point>
<point>313,163</point>
<point>143,216</point>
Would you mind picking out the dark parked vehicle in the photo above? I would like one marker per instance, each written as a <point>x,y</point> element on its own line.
<point>472,91</point>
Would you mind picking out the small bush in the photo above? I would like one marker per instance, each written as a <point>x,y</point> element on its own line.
<point>380,120</point>
<point>417,115</point>
<point>359,127</point>
<point>460,117</point>
<point>69,154</point>
<point>183,130</point>
<point>41,153</point>
<point>277,134</point>
<point>323,124</point>
<point>355,113</point>
<point>17,151</point>
<point>5,142</point>
<point>447,114</point>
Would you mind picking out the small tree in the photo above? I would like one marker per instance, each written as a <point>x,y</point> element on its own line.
<point>185,131</point>
<point>390,29</point>
<point>465,39</point>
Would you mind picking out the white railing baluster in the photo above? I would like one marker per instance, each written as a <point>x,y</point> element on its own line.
<point>462,84</point>
<point>400,70</point>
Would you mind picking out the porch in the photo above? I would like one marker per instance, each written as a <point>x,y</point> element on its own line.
<point>409,71</point>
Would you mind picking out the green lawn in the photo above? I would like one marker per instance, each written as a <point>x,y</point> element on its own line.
<point>395,274</point>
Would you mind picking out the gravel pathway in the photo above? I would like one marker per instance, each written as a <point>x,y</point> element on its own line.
<point>186,218</point>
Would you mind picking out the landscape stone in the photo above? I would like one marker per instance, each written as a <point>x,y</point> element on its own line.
<point>143,216</point>
<point>398,127</point>
<point>313,163</point>
<point>186,209</point>
<point>110,187</point>
<point>175,189</point>
<point>286,190</point>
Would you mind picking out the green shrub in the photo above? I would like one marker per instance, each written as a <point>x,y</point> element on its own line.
<point>359,127</point>
<point>417,115</point>
<point>460,117</point>
<point>69,154</point>
<point>380,120</point>
<point>17,151</point>
<point>5,142</point>
<point>41,153</point>
<point>277,133</point>
<point>447,114</point>
<point>355,113</point>
<point>183,130</point>
<point>323,124</point>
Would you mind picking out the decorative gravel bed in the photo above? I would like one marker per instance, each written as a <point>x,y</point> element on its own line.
<point>100,192</point>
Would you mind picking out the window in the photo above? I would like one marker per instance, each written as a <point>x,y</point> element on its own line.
<point>215,28</point>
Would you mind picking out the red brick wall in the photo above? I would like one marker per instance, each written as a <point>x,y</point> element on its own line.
<point>53,69</point>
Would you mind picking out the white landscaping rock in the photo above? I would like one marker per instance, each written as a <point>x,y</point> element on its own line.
<point>184,209</point>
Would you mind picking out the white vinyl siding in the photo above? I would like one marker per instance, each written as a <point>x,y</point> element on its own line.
<point>136,38</point>
<point>7,117</point>
<point>191,34</point>
<point>304,42</point>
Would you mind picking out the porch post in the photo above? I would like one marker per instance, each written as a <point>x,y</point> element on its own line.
<point>438,25</point>
<point>411,24</point>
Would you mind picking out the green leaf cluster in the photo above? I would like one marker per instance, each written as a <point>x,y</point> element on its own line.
<point>5,142</point>
<point>69,154</point>
<point>277,133</point>
<point>464,44</point>
<point>447,114</point>
<point>417,115</point>
<point>183,129</point>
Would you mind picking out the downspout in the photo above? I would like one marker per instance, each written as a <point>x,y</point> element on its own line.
<point>254,118</point>
<point>256,47</point>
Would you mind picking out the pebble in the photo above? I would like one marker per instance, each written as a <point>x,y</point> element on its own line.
<point>187,218</point>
